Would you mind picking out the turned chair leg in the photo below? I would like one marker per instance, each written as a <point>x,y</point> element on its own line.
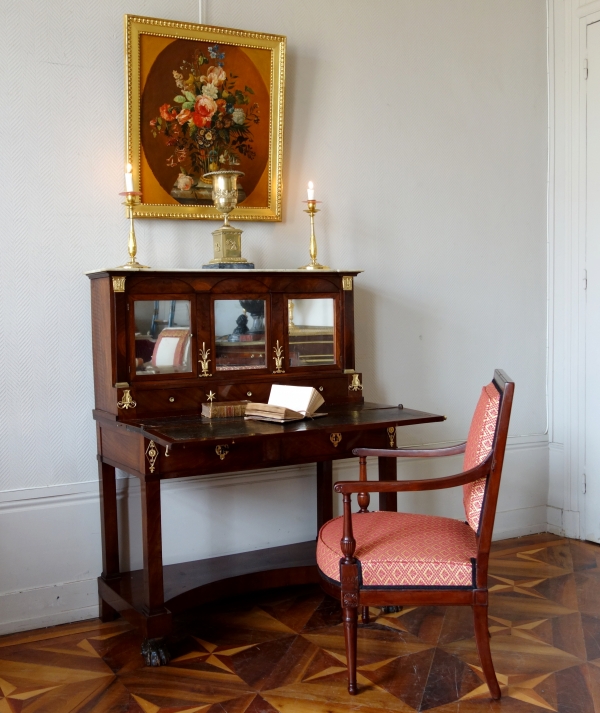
<point>482,639</point>
<point>350,630</point>
<point>365,616</point>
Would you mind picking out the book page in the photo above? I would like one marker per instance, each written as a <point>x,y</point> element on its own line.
<point>296,398</point>
<point>315,401</point>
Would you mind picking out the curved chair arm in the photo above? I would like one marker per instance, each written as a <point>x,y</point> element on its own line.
<point>378,486</point>
<point>411,452</point>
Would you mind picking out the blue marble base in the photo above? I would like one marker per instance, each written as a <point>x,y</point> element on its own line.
<point>229,266</point>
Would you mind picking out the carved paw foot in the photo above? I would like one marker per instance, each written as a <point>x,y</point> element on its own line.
<point>391,610</point>
<point>155,652</point>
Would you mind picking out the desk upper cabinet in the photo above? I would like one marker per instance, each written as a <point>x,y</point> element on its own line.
<point>164,342</point>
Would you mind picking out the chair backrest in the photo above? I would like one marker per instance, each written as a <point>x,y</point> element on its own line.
<point>172,348</point>
<point>480,442</point>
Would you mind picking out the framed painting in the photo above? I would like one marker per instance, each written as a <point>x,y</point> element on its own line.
<point>202,99</point>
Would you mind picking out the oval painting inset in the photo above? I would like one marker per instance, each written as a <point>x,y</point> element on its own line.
<point>204,107</point>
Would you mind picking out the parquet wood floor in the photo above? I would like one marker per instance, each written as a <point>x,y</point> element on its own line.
<point>284,651</point>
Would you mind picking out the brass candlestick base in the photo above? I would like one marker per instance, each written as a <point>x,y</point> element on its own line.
<point>313,264</point>
<point>227,240</point>
<point>131,198</point>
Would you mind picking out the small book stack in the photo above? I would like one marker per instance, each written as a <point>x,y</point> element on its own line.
<point>225,409</point>
<point>287,403</point>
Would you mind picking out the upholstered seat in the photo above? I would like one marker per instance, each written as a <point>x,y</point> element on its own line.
<point>390,558</point>
<point>398,549</point>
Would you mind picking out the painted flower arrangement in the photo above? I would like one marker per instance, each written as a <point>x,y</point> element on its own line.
<point>208,123</point>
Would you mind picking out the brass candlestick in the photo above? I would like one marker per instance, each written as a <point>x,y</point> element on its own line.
<point>131,198</point>
<point>313,264</point>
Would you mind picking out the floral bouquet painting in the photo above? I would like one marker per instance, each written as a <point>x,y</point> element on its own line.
<point>208,124</point>
<point>201,100</point>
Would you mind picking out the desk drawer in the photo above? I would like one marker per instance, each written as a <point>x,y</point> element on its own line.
<point>331,443</point>
<point>257,391</point>
<point>168,401</point>
<point>334,389</point>
<point>224,456</point>
<point>231,455</point>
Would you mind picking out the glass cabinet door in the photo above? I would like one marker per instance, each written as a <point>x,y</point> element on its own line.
<point>240,334</point>
<point>311,332</point>
<point>162,336</point>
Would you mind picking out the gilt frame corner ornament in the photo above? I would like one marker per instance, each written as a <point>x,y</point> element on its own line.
<point>198,99</point>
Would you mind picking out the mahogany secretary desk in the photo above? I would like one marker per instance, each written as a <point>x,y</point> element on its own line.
<point>164,342</point>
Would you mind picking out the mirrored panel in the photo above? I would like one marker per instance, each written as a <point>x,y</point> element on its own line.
<point>240,334</point>
<point>162,336</point>
<point>311,331</point>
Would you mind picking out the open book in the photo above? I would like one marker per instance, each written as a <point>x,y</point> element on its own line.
<point>287,403</point>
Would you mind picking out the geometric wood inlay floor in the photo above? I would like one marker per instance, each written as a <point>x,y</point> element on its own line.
<point>284,651</point>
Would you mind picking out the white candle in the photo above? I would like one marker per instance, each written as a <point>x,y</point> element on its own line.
<point>311,191</point>
<point>129,179</point>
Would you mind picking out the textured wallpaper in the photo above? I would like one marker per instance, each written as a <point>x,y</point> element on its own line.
<point>423,126</point>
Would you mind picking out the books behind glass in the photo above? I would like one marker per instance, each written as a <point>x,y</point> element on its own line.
<point>287,403</point>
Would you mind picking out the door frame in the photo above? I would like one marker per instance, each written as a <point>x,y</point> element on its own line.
<point>567,204</point>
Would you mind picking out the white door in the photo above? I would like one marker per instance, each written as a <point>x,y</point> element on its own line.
<point>592,307</point>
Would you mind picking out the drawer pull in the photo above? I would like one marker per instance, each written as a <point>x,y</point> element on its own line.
<point>320,388</point>
<point>171,399</point>
<point>248,393</point>
<point>335,438</point>
<point>222,451</point>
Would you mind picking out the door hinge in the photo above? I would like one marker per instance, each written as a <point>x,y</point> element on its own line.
<point>584,482</point>
<point>584,278</point>
<point>585,68</point>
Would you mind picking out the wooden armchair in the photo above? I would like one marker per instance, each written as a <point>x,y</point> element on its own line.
<point>391,558</point>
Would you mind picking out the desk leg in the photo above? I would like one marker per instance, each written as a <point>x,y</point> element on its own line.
<point>387,471</point>
<point>158,619</point>
<point>324,492</point>
<point>110,532</point>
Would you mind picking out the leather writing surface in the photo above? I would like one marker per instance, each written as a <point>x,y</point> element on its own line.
<point>190,429</point>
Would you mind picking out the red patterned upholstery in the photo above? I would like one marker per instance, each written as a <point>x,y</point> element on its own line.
<point>479,446</point>
<point>402,550</point>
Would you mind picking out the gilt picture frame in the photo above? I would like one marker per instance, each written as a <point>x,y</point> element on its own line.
<point>200,99</point>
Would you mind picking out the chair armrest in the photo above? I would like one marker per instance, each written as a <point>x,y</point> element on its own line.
<point>378,486</point>
<point>411,452</point>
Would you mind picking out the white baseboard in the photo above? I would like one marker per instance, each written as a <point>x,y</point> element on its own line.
<point>48,606</point>
<point>50,537</point>
<point>516,523</point>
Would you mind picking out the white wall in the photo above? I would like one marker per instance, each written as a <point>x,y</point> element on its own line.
<point>423,126</point>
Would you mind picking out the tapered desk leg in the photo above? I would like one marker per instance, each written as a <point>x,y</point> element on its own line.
<point>158,619</point>
<point>110,532</point>
<point>324,492</point>
<point>387,471</point>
